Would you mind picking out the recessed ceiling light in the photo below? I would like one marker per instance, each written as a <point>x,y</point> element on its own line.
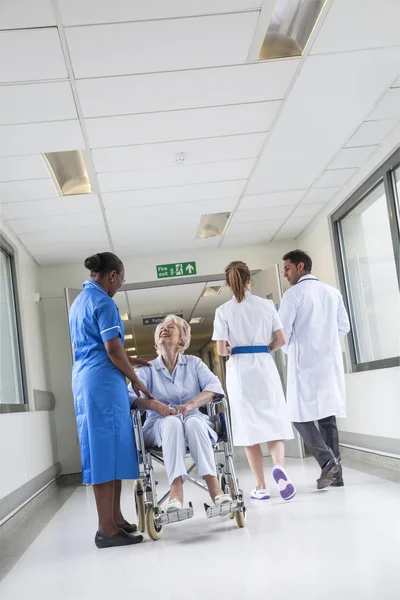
<point>131,349</point>
<point>213,290</point>
<point>69,172</point>
<point>129,336</point>
<point>213,225</point>
<point>195,320</point>
<point>133,355</point>
<point>125,317</point>
<point>290,28</point>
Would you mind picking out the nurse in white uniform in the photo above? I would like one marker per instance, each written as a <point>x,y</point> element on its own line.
<point>314,318</point>
<point>258,409</point>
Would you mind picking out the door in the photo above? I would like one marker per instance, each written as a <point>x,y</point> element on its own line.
<point>270,284</point>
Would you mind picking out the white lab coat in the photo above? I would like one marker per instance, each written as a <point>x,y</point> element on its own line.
<point>258,408</point>
<point>314,318</point>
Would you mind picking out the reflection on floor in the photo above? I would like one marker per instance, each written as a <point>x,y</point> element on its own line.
<point>339,543</point>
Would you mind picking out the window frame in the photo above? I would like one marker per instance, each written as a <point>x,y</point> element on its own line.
<point>7,248</point>
<point>384,174</point>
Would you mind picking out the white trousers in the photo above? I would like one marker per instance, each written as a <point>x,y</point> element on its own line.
<point>176,436</point>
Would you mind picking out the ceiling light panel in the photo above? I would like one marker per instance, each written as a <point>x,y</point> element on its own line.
<point>47,102</point>
<point>18,14</point>
<point>362,24</point>
<point>181,124</point>
<point>153,156</point>
<point>126,48</point>
<point>185,89</point>
<point>315,196</point>
<point>180,194</point>
<point>76,12</point>
<point>213,225</point>
<point>36,55</point>
<point>352,157</point>
<point>15,168</point>
<point>38,138</point>
<point>334,178</point>
<point>271,200</point>
<point>171,176</point>
<point>52,207</point>
<point>69,172</point>
<point>36,189</point>
<point>289,28</point>
<point>372,133</point>
<point>323,108</point>
<point>196,320</point>
<point>388,107</point>
<point>212,291</point>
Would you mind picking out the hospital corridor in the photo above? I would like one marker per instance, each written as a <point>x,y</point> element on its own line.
<point>199,299</point>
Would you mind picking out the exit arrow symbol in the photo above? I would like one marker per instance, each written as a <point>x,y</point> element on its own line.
<point>189,268</point>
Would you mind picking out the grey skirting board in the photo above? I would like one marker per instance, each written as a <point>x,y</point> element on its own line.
<point>11,502</point>
<point>370,442</point>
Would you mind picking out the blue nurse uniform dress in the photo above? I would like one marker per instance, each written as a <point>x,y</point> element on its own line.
<point>107,444</point>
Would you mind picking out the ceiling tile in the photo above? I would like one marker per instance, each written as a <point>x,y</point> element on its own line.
<point>57,223</point>
<point>76,12</point>
<point>334,178</point>
<point>38,138</point>
<point>181,124</point>
<point>177,175</point>
<point>352,157</point>
<point>271,200</point>
<point>76,235</point>
<point>262,214</point>
<point>265,228</point>
<point>36,54</point>
<point>171,195</point>
<point>286,235</point>
<point>388,107</point>
<point>362,24</point>
<point>54,206</point>
<point>185,89</point>
<point>325,105</point>
<point>296,224</point>
<point>315,196</point>
<point>47,102</point>
<point>237,241</point>
<point>64,250</point>
<point>307,210</point>
<point>153,156</point>
<point>19,14</point>
<point>372,133</point>
<point>35,189</point>
<point>14,168</point>
<point>127,48</point>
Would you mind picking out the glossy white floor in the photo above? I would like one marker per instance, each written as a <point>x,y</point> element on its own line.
<point>339,543</point>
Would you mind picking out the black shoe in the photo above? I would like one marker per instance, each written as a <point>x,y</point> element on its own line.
<point>338,478</point>
<point>327,473</point>
<point>127,527</point>
<point>118,539</point>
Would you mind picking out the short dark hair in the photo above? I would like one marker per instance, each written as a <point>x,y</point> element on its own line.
<point>299,256</point>
<point>103,262</point>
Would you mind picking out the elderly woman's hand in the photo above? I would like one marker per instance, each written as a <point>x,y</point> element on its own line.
<point>183,409</point>
<point>163,409</point>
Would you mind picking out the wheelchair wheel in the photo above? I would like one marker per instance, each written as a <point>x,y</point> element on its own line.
<point>225,489</point>
<point>153,530</point>
<point>139,502</point>
<point>240,518</point>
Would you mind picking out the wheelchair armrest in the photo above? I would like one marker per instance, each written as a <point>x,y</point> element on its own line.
<point>216,406</point>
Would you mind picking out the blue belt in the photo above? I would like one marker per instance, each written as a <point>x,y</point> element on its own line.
<point>250,350</point>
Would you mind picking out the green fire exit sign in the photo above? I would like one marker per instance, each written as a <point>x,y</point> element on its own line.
<point>176,270</point>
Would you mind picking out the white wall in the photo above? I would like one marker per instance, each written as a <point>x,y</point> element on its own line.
<point>53,280</point>
<point>373,400</point>
<point>27,440</point>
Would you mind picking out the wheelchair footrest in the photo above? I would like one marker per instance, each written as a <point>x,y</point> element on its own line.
<point>177,515</point>
<point>222,510</point>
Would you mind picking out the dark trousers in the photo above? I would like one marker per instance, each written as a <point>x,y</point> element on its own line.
<point>322,441</point>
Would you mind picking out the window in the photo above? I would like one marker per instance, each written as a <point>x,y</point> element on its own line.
<point>12,388</point>
<point>366,231</point>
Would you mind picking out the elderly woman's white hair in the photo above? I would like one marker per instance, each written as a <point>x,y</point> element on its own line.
<point>184,329</point>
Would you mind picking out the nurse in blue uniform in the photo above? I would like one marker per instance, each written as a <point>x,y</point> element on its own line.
<point>101,366</point>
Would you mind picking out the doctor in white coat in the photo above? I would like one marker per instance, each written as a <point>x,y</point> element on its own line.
<point>314,318</point>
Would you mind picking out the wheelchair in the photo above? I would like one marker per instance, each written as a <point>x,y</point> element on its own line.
<point>151,517</point>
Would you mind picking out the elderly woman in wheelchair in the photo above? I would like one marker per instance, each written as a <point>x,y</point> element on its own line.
<point>181,385</point>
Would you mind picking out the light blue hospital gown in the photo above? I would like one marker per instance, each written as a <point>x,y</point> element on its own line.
<point>190,377</point>
<point>107,444</point>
